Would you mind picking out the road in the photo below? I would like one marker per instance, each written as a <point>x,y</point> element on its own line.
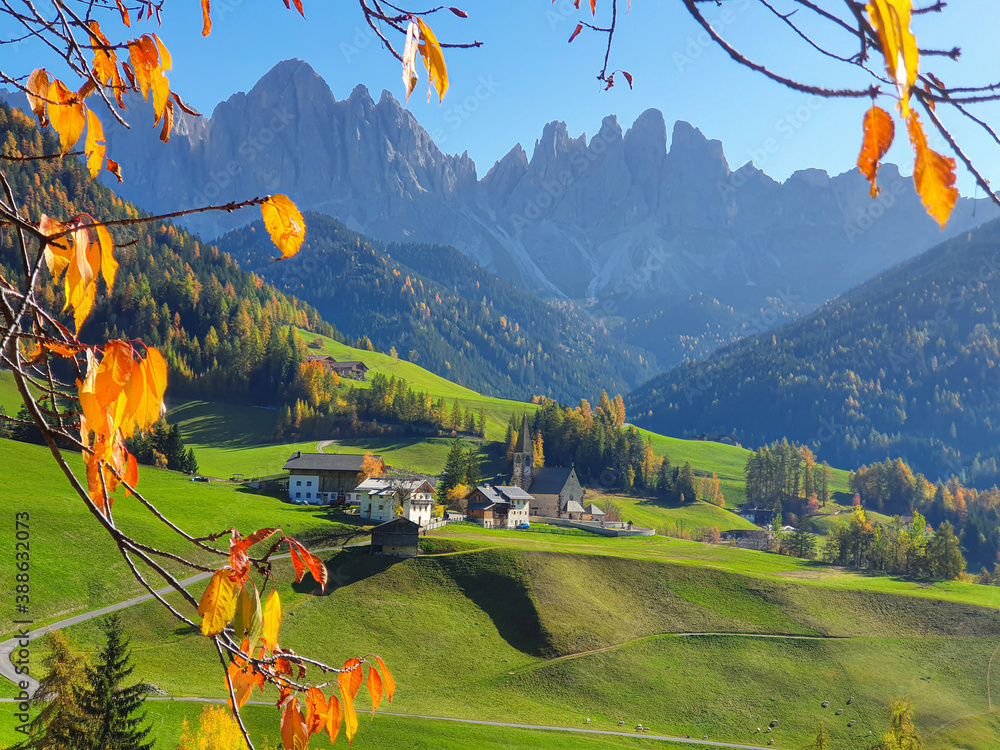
<point>511,725</point>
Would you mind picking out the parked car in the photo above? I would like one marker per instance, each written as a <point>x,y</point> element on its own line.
<point>523,526</point>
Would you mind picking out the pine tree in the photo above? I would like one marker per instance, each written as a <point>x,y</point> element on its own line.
<point>110,709</point>
<point>604,404</point>
<point>456,416</point>
<point>455,467</point>
<point>26,433</point>
<point>619,410</point>
<point>4,424</point>
<point>473,474</point>
<point>481,431</point>
<point>60,725</point>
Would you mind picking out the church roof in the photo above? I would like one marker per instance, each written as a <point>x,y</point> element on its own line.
<point>549,480</point>
<point>574,507</point>
<point>524,439</point>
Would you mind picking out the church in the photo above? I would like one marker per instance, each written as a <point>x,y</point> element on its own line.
<point>555,490</point>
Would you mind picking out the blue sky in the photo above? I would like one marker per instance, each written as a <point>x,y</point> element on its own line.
<point>526,75</point>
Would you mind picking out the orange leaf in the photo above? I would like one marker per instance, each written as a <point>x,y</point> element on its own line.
<point>218,603</point>
<point>300,567</point>
<point>165,59</point>
<point>576,31</point>
<point>352,667</point>
<point>933,174</point>
<point>63,350</point>
<point>374,688</point>
<point>284,223</point>
<point>168,122</point>
<point>243,679</point>
<point>131,475</point>
<point>115,169</point>
<point>347,699</point>
<point>272,621</point>
<point>256,537</point>
<point>124,11</point>
<point>390,683</point>
<point>315,710</point>
<point>81,275</point>
<point>37,92</point>
<point>315,565</point>
<point>333,717</point>
<point>94,145</point>
<point>66,115</point>
<point>293,729</point>
<point>430,50</point>
<point>879,131</point>
<point>206,17</point>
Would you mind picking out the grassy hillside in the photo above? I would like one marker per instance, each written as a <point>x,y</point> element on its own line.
<point>664,516</point>
<point>573,629</point>
<point>68,546</point>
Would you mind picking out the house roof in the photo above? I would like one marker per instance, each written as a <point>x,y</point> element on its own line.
<point>384,486</point>
<point>549,480</point>
<point>300,461</point>
<point>398,525</point>
<point>594,510</point>
<point>574,507</point>
<point>352,363</point>
<point>502,495</point>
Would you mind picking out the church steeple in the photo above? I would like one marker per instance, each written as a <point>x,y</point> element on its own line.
<point>523,457</point>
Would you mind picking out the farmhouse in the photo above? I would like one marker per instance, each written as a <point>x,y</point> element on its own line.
<point>379,499</point>
<point>555,491</point>
<point>495,507</point>
<point>351,369</point>
<point>398,538</point>
<point>321,478</point>
<point>758,516</point>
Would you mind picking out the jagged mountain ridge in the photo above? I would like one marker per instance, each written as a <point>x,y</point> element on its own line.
<point>632,222</point>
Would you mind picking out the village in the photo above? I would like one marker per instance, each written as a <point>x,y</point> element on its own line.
<point>402,503</point>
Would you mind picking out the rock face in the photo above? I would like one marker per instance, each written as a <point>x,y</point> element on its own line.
<point>633,221</point>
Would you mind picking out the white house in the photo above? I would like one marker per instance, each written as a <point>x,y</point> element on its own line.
<point>378,499</point>
<point>498,507</point>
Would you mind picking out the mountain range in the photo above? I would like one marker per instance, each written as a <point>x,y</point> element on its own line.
<point>903,365</point>
<point>657,235</point>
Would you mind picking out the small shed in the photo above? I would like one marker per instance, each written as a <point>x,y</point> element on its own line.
<point>574,510</point>
<point>399,537</point>
<point>593,513</point>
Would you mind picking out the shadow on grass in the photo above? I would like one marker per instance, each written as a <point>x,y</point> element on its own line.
<point>223,425</point>
<point>347,568</point>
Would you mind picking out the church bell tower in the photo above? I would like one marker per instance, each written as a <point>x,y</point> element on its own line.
<point>524,456</point>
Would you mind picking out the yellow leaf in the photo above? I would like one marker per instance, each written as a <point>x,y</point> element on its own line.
<point>272,621</point>
<point>37,92</point>
<point>430,50</point>
<point>58,253</point>
<point>387,679</point>
<point>109,266</point>
<point>347,700</point>
<point>165,61</point>
<point>284,223</point>
<point>218,603</point>
<point>410,58</point>
<point>933,174</point>
<point>206,17</point>
<point>891,19</point>
<point>81,276</point>
<point>66,115</point>
<point>879,131</point>
<point>94,145</point>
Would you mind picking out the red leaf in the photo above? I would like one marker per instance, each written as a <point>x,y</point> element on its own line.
<point>577,30</point>
<point>316,566</point>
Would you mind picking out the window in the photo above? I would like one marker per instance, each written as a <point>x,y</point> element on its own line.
<point>309,495</point>
<point>298,494</point>
<point>309,484</point>
<point>380,507</point>
<point>298,483</point>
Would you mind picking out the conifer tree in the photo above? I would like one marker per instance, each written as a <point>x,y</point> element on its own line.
<point>61,724</point>
<point>455,467</point>
<point>473,474</point>
<point>538,454</point>
<point>111,709</point>
<point>481,427</point>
